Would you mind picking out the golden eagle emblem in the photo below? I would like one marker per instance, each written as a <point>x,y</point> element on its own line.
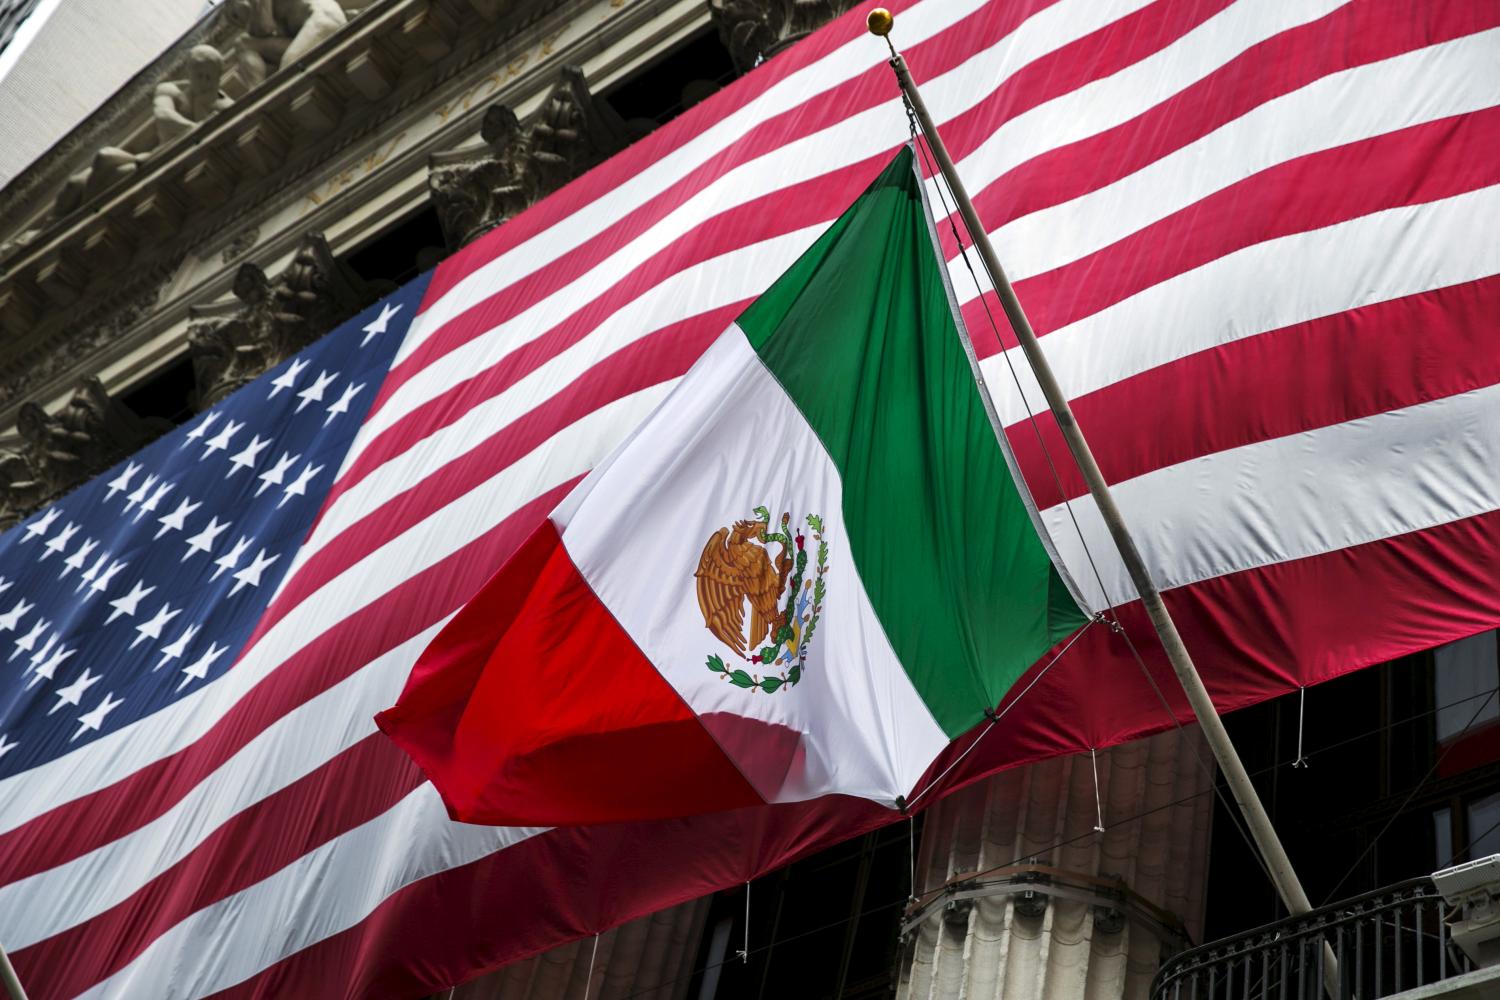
<point>740,569</point>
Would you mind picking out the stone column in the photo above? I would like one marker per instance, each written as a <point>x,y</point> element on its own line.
<point>1020,898</point>
<point>650,959</point>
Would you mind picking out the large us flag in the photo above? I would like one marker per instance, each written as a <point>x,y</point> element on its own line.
<point>1259,241</point>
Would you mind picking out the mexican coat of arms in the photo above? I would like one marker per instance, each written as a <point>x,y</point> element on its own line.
<point>739,570</point>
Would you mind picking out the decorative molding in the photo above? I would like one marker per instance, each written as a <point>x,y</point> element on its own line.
<point>274,319</point>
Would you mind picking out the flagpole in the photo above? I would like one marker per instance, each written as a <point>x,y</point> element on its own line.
<point>1269,844</point>
<point>13,988</point>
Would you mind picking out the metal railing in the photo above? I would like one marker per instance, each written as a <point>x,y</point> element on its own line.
<point>1386,941</point>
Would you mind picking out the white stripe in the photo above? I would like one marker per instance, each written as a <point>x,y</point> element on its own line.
<point>329,889</point>
<point>35,908</point>
<point>1045,31</point>
<point>1301,495</point>
<point>729,440</point>
<point>1426,85</point>
<point>569,453</point>
<point>1305,276</point>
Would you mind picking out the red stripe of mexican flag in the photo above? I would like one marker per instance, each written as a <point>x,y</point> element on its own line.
<point>804,574</point>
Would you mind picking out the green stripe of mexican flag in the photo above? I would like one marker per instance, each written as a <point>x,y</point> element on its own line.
<point>805,573</point>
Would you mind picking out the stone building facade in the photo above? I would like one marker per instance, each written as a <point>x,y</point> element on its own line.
<point>257,183</point>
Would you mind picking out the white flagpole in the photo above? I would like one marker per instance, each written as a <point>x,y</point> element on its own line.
<point>1269,844</point>
<point>13,988</point>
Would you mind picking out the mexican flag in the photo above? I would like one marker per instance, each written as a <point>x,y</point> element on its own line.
<point>805,574</point>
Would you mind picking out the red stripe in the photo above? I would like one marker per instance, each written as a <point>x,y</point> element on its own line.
<point>92,820</point>
<point>552,888</point>
<point>361,783</point>
<point>1353,364</point>
<point>616,743</point>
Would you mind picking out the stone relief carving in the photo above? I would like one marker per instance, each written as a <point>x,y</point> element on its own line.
<point>58,452</point>
<point>272,320</point>
<point>177,107</point>
<point>277,33</point>
<point>476,190</point>
<point>753,30</point>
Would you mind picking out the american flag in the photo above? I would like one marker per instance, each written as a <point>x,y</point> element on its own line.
<point>1257,238</point>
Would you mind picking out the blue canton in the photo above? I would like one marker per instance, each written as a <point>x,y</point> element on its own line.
<point>143,585</point>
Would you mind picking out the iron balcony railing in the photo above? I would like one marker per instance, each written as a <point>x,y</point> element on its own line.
<point>1384,942</point>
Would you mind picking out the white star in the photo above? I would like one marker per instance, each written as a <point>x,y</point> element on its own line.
<point>299,486</point>
<point>178,647</point>
<point>49,669</point>
<point>379,323</point>
<point>342,406</point>
<point>95,718</point>
<point>246,456</point>
<point>204,540</point>
<point>40,527</point>
<point>127,605</point>
<point>314,392</point>
<point>228,560</point>
<point>6,746</point>
<point>152,629</point>
<point>276,474</point>
<point>122,481</point>
<point>250,575</point>
<point>44,652</point>
<point>92,573</point>
<point>287,379</point>
<point>27,642</point>
<point>177,520</point>
<point>73,693</point>
<point>200,430</point>
<point>12,618</point>
<point>155,499</point>
<point>5,584</point>
<point>141,491</point>
<point>78,558</point>
<point>100,584</point>
<point>220,441</point>
<point>60,541</point>
<point>198,669</point>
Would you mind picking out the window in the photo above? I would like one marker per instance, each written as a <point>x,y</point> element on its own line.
<point>1467,673</point>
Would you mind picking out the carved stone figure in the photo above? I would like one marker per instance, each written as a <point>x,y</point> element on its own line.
<point>753,30</point>
<point>279,32</point>
<point>476,190</point>
<point>58,452</point>
<point>274,319</point>
<point>177,107</point>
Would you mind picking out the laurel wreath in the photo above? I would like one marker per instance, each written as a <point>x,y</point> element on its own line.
<point>769,654</point>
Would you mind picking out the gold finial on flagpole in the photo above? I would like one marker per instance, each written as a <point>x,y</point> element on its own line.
<point>880,22</point>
